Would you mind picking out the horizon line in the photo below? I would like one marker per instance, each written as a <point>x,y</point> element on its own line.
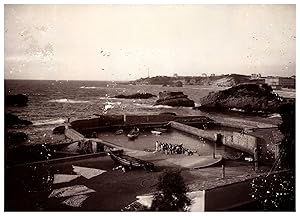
<point>208,75</point>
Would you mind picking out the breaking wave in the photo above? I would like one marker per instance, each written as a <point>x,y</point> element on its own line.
<point>49,121</point>
<point>65,100</point>
<point>89,87</point>
<point>162,106</point>
<point>275,115</point>
<point>153,106</point>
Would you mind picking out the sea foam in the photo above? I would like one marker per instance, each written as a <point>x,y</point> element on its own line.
<point>49,121</point>
<point>65,100</point>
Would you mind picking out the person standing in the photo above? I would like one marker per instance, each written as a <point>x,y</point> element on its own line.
<point>156,146</point>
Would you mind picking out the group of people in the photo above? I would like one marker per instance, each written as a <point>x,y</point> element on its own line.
<point>168,148</point>
<point>121,167</point>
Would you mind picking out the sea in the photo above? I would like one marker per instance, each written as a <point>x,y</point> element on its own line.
<point>52,102</point>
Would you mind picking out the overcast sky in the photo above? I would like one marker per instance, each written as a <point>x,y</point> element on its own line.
<point>113,42</point>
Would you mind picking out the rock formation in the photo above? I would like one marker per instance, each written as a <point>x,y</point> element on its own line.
<point>16,137</point>
<point>247,97</point>
<point>136,96</point>
<point>13,120</point>
<point>174,99</point>
<point>59,130</point>
<point>16,100</point>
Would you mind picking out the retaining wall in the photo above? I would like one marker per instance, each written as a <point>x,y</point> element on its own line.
<point>240,141</point>
<point>129,120</point>
<point>73,135</point>
<point>97,122</point>
<point>235,140</point>
<point>194,131</point>
<point>237,194</point>
<point>228,196</point>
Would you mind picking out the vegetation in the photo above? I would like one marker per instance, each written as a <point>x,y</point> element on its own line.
<point>172,193</point>
<point>227,80</point>
<point>277,191</point>
<point>287,128</point>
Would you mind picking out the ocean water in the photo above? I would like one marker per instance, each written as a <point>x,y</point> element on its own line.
<point>52,102</point>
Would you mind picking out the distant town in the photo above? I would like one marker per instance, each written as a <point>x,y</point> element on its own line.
<point>224,80</point>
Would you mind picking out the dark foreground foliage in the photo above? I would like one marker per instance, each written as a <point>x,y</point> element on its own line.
<point>287,128</point>
<point>172,193</point>
<point>276,192</point>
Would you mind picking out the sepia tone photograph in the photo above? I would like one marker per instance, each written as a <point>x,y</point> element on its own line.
<point>149,107</point>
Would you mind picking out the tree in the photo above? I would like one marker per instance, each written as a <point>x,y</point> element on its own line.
<point>171,195</point>
<point>277,191</point>
<point>287,128</point>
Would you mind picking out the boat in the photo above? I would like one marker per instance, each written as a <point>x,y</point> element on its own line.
<point>119,132</point>
<point>135,132</point>
<point>156,132</point>
<point>130,162</point>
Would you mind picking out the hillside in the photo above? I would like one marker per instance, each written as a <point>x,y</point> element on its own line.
<point>222,81</point>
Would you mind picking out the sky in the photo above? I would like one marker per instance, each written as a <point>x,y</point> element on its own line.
<point>127,42</point>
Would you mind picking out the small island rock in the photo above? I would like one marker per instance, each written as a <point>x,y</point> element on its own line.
<point>174,99</point>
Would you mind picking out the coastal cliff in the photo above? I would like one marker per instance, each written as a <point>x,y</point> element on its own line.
<point>227,80</point>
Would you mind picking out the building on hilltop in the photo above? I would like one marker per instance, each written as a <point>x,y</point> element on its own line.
<point>280,82</point>
<point>256,76</point>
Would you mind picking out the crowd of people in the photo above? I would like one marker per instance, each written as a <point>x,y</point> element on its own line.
<point>168,148</point>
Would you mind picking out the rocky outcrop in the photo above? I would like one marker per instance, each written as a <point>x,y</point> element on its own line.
<point>136,96</point>
<point>174,99</point>
<point>16,137</point>
<point>16,100</point>
<point>177,84</point>
<point>59,130</point>
<point>246,97</point>
<point>13,120</point>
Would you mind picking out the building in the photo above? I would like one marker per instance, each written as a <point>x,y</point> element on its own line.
<point>256,76</point>
<point>280,82</point>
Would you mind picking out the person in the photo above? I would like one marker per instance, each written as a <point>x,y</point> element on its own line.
<point>156,146</point>
<point>170,148</point>
<point>118,167</point>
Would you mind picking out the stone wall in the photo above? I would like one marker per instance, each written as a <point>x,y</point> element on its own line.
<point>97,122</point>
<point>129,120</point>
<point>240,141</point>
<point>194,131</point>
<point>232,139</point>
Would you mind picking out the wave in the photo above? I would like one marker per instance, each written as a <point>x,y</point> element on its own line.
<point>89,87</point>
<point>112,103</point>
<point>48,122</point>
<point>162,106</point>
<point>153,106</point>
<point>275,115</point>
<point>144,105</point>
<point>65,100</point>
